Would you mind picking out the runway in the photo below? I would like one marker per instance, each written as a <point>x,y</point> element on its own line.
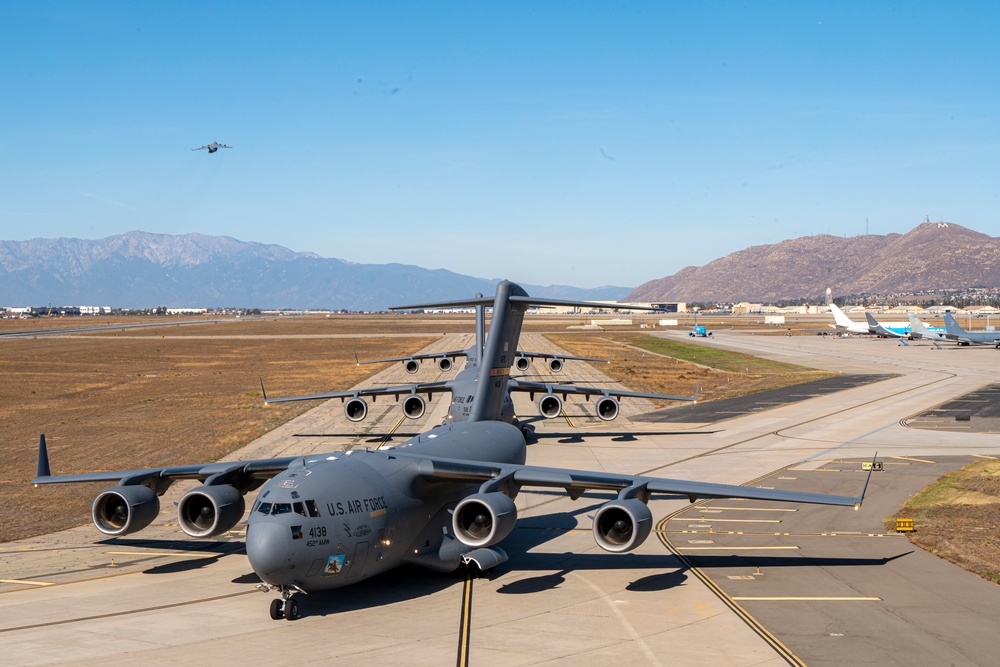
<point>724,583</point>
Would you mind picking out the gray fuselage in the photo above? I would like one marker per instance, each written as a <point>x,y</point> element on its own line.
<point>334,519</point>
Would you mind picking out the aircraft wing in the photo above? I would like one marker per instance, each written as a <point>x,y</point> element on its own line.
<point>579,390</point>
<point>396,390</point>
<point>163,477</point>
<point>549,355</point>
<point>417,357</point>
<point>575,482</point>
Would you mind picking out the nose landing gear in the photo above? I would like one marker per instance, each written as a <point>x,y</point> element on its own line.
<point>287,607</point>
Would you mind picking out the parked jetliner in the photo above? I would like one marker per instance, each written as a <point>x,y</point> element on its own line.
<point>844,323</point>
<point>963,337</point>
<point>441,499</point>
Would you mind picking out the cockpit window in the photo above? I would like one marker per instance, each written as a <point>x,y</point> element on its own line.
<point>264,508</point>
<point>313,510</point>
<point>281,508</point>
<point>299,508</point>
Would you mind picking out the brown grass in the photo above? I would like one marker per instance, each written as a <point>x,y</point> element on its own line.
<point>958,518</point>
<point>647,363</point>
<point>139,400</point>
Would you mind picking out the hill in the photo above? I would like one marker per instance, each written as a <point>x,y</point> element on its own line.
<point>932,256</point>
<point>142,270</point>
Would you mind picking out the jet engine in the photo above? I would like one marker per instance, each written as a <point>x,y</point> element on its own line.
<point>355,409</point>
<point>622,525</point>
<point>206,511</point>
<point>414,406</point>
<point>444,364</point>
<point>555,364</point>
<point>121,510</point>
<point>549,406</point>
<point>411,365</point>
<point>483,519</point>
<point>607,408</point>
<point>522,363</point>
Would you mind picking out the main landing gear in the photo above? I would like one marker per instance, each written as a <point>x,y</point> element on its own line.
<point>287,607</point>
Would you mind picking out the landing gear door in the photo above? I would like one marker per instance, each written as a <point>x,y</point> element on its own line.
<point>359,561</point>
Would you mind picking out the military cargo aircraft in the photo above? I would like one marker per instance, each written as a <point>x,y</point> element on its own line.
<point>441,499</point>
<point>463,386</point>
<point>212,147</point>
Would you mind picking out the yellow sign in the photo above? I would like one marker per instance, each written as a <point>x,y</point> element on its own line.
<point>872,465</point>
<point>904,525</point>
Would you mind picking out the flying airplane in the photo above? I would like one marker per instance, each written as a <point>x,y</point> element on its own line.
<point>441,499</point>
<point>963,337</point>
<point>920,330</point>
<point>463,387</point>
<point>212,147</point>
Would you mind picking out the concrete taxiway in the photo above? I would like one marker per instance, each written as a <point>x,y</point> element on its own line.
<point>721,583</point>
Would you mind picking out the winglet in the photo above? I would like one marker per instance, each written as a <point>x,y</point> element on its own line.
<point>43,459</point>
<point>262,391</point>
<point>697,390</point>
<point>358,361</point>
<point>860,499</point>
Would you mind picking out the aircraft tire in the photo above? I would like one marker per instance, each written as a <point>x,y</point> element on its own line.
<point>291,609</point>
<point>276,610</point>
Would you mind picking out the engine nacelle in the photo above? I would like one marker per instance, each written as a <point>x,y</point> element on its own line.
<point>355,409</point>
<point>206,511</point>
<point>414,406</point>
<point>549,406</point>
<point>444,364</point>
<point>607,408</point>
<point>411,365</point>
<point>483,519</point>
<point>555,365</point>
<point>522,363</point>
<point>622,525</point>
<point>121,510</point>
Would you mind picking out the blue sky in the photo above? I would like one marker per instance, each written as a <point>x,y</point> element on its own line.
<point>575,143</point>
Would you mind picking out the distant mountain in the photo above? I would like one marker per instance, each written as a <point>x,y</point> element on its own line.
<point>932,256</point>
<point>142,270</point>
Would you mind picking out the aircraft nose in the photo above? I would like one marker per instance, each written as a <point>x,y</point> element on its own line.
<point>267,549</point>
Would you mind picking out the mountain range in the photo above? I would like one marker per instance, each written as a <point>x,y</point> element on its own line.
<point>144,270</point>
<point>934,256</point>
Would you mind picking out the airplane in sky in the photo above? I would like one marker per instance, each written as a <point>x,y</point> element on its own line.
<point>920,330</point>
<point>963,337</point>
<point>441,499</point>
<point>212,147</point>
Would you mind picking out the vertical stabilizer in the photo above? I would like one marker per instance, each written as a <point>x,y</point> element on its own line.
<point>499,352</point>
<point>43,458</point>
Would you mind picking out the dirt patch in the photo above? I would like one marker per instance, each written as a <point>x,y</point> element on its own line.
<point>958,518</point>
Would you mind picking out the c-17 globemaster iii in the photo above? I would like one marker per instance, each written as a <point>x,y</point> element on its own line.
<point>212,147</point>
<point>464,386</point>
<point>442,499</point>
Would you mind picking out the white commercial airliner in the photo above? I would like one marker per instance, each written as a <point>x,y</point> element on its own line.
<point>844,323</point>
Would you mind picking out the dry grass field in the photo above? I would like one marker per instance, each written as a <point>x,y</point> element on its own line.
<point>171,395</point>
<point>646,363</point>
<point>958,518</point>
<point>134,398</point>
